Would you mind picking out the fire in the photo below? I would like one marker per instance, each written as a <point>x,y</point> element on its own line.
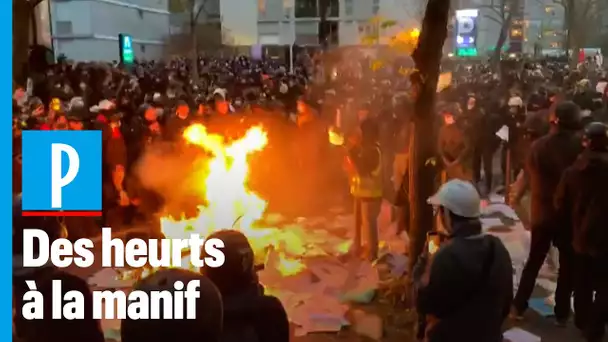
<point>229,202</point>
<point>335,138</point>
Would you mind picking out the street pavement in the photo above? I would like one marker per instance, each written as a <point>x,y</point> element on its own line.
<point>402,330</point>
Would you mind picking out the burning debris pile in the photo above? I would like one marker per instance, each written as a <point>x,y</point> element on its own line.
<point>303,258</point>
<point>229,203</point>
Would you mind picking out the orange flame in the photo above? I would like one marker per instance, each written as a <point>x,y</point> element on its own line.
<point>230,204</point>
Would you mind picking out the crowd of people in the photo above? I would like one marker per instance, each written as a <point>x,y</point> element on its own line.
<point>545,122</point>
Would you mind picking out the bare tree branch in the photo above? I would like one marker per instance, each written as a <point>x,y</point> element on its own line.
<point>494,9</point>
<point>494,19</point>
<point>201,8</point>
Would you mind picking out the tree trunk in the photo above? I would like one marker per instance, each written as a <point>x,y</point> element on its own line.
<point>502,39</point>
<point>427,58</point>
<point>22,12</point>
<point>194,47</point>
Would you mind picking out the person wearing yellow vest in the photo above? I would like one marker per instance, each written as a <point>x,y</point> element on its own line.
<point>365,170</point>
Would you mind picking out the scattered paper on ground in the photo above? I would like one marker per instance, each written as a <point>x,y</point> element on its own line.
<point>317,297</point>
<point>520,335</point>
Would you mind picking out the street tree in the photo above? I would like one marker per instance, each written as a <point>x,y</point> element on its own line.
<point>427,58</point>
<point>415,11</point>
<point>577,12</point>
<point>501,12</point>
<point>194,11</point>
<point>401,40</point>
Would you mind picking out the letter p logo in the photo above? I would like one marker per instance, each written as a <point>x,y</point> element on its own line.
<point>61,173</point>
<point>58,180</point>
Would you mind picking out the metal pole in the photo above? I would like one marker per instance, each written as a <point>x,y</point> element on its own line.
<point>50,18</point>
<point>292,31</point>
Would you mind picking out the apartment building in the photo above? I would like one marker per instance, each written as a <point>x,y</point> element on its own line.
<point>88,29</point>
<point>282,22</point>
<point>544,26</point>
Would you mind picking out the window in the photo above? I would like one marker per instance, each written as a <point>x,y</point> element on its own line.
<point>306,9</point>
<point>348,7</point>
<point>63,27</point>
<point>334,9</point>
<point>376,7</point>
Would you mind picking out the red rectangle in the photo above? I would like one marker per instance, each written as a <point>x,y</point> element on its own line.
<point>62,213</point>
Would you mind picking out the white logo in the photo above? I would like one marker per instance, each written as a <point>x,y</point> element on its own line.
<point>58,181</point>
<point>466,25</point>
<point>127,42</point>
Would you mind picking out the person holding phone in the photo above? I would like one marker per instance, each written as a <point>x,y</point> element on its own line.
<point>463,280</point>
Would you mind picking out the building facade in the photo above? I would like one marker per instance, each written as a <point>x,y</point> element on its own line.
<point>537,26</point>
<point>286,22</point>
<point>283,22</point>
<point>544,27</point>
<point>88,29</point>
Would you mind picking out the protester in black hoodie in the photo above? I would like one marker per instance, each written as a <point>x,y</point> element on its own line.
<point>249,315</point>
<point>48,329</point>
<point>207,327</point>
<point>464,279</point>
<point>547,159</point>
<point>581,204</point>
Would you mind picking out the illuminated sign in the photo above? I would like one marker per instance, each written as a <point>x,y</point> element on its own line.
<point>466,30</point>
<point>466,52</point>
<point>127,56</point>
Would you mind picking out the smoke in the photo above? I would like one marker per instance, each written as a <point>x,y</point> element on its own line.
<point>174,172</point>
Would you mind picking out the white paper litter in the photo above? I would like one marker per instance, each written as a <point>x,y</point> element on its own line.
<point>106,278</point>
<point>490,222</point>
<point>503,133</point>
<point>493,208</point>
<point>520,335</point>
<point>517,241</point>
<point>313,297</point>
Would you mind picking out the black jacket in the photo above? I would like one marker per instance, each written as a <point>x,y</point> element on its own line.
<point>48,329</point>
<point>548,158</point>
<point>251,316</point>
<point>581,202</point>
<point>470,288</point>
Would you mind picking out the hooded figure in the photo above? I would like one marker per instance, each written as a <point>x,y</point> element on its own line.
<point>581,202</point>
<point>547,159</point>
<point>249,315</point>
<point>206,327</point>
<point>47,329</point>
